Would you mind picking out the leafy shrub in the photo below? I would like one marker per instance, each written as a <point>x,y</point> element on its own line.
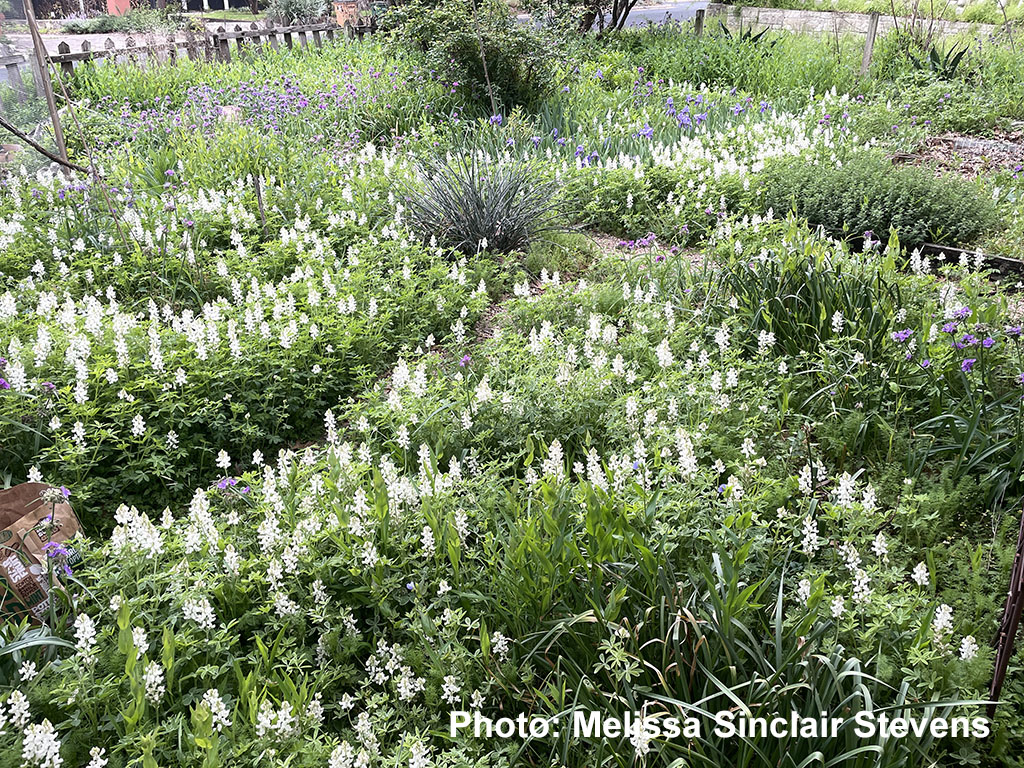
<point>298,11</point>
<point>466,205</point>
<point>480,48</point>
<point>136,20</point>
<point>868,194</point>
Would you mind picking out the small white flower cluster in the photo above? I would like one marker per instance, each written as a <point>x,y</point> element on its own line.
<point>219,711</point>
<point>199,611</point>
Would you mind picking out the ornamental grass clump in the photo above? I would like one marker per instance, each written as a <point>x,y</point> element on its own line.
<point>470,206</point>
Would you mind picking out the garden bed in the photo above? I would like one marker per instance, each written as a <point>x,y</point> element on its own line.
<point>619,377</point>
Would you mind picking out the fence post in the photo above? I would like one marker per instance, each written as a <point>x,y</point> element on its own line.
<point>698,22</point>
<point>220,44</point>
<point>869,43</point>
<point>67,67</point>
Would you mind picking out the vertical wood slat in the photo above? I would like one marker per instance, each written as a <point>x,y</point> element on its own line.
<point>221,44</point>
<point>67,67</point>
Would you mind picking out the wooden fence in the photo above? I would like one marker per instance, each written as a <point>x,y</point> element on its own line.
<point>215,45</point>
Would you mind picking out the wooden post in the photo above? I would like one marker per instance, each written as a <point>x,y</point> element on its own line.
<point>39,51</point>
<point>220,42</point>
<point>1010,622</point>
<point>869,44</point>
<point>698,22</point>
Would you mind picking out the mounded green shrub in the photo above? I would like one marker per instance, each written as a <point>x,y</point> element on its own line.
<point>867,193</point>
<point>481,49</point>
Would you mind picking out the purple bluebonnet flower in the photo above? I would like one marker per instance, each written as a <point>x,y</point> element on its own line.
<point>496,119</point>
<point>903,335</point>
<point>464,361</point>
<point>963,313</point>
<point>949,328</point>
<point>968,364</point>
<point>4,384</point>
<point>926,363</point>
<point>988,342</point>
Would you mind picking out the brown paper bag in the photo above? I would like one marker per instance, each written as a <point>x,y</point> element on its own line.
<point>26,528</point>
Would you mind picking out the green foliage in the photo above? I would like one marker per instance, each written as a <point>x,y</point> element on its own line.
<point>794,291</point>
<point>727,463</point>
<point>480,49</point>
<point>866,193</point>
<point>297,11</point>
<point>135,20</point>
<point>468,206</point>
<point>942,65</point>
